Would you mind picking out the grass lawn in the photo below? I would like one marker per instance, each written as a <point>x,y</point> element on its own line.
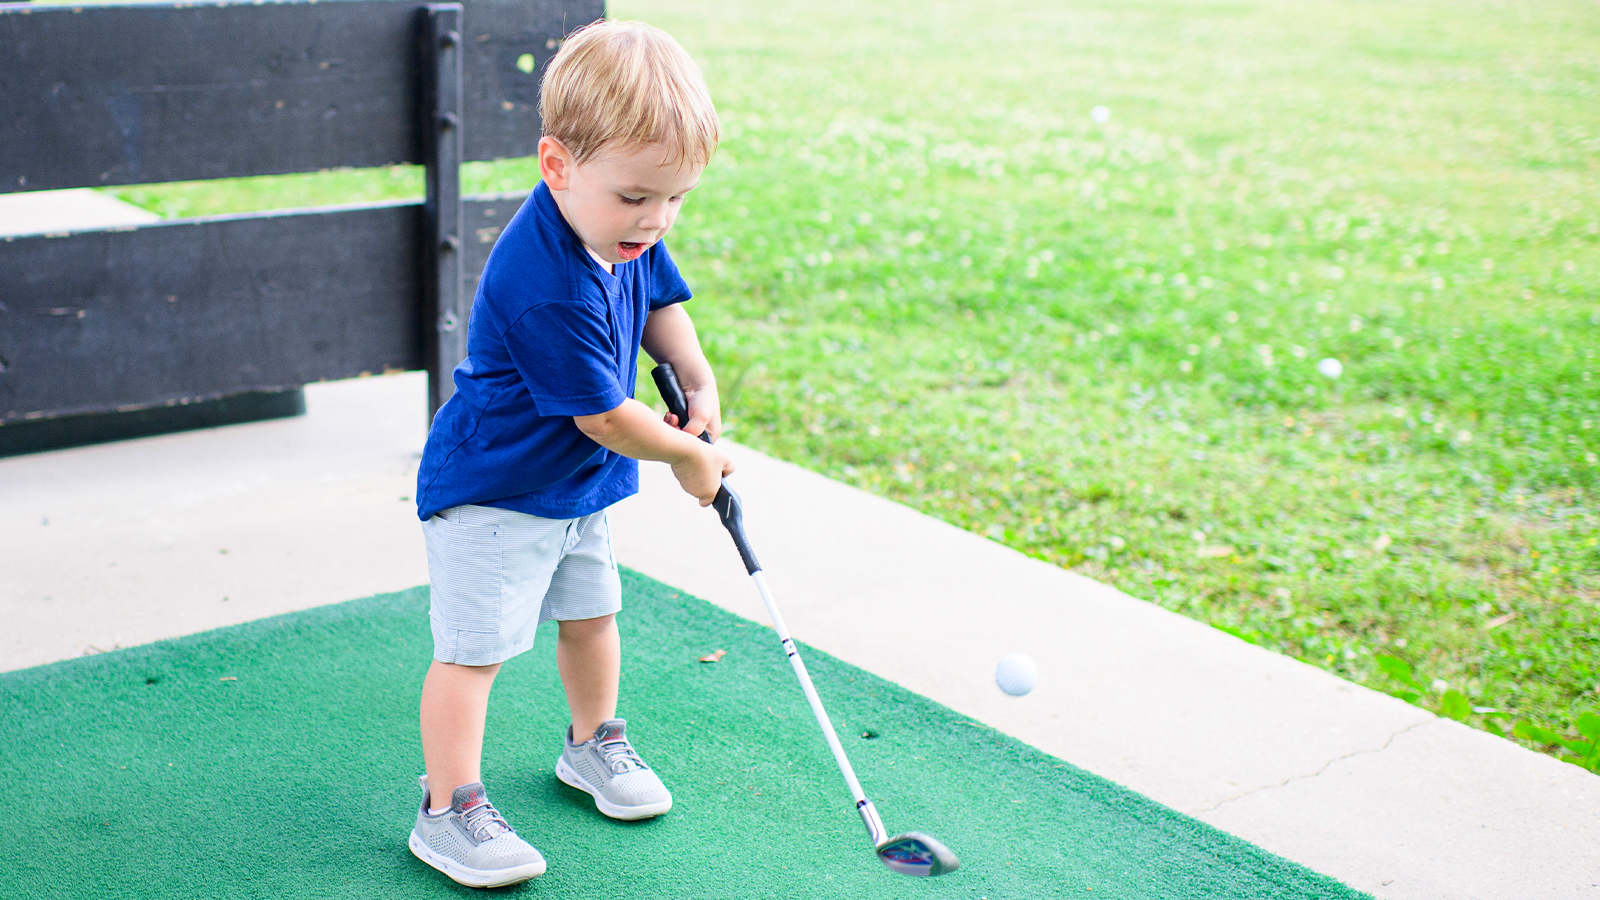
<point>925,268</point>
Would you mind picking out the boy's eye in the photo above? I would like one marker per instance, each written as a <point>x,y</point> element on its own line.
<point>632,201</point>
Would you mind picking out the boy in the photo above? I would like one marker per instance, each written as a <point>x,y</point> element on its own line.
<point>542,435</point>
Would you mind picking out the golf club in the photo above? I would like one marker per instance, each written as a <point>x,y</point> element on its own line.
<point>911,853</point>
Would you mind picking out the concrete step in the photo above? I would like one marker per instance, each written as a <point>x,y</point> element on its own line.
<point>74,209</point>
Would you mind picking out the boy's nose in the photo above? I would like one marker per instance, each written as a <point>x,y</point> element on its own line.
<point>654,219</point>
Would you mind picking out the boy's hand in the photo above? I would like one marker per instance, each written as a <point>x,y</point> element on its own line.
<point>669,337</point>
<point>705,413</point>
<point>700,474</point>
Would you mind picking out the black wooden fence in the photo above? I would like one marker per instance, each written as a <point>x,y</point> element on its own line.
<point>102,328</point>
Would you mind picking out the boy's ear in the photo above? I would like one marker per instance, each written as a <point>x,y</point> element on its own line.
<point>555,163</point>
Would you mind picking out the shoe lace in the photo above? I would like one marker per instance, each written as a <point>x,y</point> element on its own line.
<point>480,819</point>
<point>621,757</point>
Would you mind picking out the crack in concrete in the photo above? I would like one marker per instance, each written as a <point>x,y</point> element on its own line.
<point>1284,783</point>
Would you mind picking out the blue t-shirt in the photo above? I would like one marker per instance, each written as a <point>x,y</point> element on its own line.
<point>552,335</point>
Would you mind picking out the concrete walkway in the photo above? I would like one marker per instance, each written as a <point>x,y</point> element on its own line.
<point>121,544</point>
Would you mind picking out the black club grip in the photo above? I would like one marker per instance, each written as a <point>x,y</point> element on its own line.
<point>672,392</point>
<point>727,504</point>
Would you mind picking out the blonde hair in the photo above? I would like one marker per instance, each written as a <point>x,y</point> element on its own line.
<point>631,84</point>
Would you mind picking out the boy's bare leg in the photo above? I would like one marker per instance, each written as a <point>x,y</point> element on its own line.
<point>455,701</point>
<point>589,656</point>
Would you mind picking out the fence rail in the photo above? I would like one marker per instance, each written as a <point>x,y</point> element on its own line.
<point>256,302</point>
<point>122,320</point>
<point>108,95</point>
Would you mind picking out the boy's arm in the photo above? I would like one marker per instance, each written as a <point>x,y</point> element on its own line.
<point>669,337</point>
<point>632,429</point>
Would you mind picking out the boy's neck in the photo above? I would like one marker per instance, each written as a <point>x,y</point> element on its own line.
<point>561,206</point>
<point>597,258</point>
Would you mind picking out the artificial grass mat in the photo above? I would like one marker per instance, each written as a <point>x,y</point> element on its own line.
<point>278,759</point>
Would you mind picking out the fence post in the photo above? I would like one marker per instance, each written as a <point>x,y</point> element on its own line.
<point>444,307</point>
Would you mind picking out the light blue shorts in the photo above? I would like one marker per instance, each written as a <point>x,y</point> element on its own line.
<point>496,575</point>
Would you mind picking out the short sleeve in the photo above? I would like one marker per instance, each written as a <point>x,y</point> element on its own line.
<point>567,358</point>
<point>666,286</point>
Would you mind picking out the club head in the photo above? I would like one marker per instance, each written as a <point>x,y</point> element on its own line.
<point>914,853</point>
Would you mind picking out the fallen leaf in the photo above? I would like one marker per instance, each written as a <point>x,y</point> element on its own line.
<point>1382,543</point>
<point>227,678</point>
<point>1497,621</point>
<point>1214,551</point>
<point>714,656</point>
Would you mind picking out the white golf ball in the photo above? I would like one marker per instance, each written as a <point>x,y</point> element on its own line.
<point>1331,367</point>
<point>1016,674</point>
<point>1100,114</point>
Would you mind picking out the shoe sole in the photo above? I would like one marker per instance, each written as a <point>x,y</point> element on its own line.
<point>477,878</point>
<point>568,775</point>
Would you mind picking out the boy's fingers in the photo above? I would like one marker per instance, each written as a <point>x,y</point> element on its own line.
<point>695,425</point>
<point>705,499</point>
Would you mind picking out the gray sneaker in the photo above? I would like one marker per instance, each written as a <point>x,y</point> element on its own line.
<point>471,841</point>
<point>607,767</point>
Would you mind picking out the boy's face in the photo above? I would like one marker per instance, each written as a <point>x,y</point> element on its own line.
<point>619,201</point>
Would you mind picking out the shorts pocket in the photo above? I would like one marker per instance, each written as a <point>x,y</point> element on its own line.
<point>465,575</point>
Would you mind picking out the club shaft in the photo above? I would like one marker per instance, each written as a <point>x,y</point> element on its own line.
<point>730,509</point>
<point>869,814</point>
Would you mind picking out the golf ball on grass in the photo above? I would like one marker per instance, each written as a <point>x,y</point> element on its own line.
<point>1330,367</point>
<point>1016,674</point>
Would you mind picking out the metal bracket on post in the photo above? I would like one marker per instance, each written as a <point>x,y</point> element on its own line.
<point>444,308</point>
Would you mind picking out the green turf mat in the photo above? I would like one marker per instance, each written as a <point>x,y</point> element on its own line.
<point>278,759</point>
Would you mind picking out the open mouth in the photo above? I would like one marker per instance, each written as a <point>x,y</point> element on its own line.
<point>630,250</point>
